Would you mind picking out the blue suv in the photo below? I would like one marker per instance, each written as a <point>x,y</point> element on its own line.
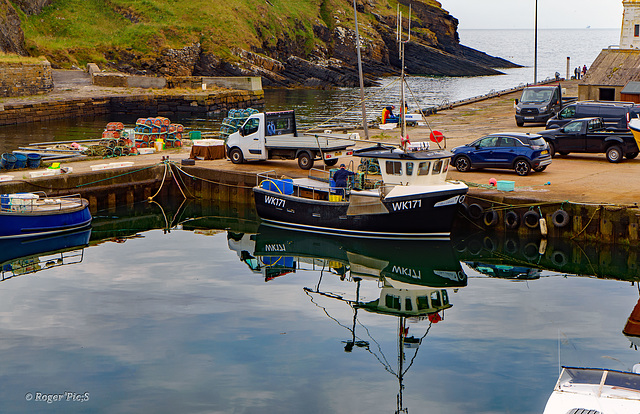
<point>511,150</point>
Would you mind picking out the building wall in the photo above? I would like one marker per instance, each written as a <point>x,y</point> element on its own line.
<point>21,79</point>
<point>592,92</point>
<point>630,18</point>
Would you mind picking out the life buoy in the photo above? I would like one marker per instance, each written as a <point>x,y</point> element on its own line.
<point>490,218</point>
<point>475,211</point>
<point>511,220</point>
<point>531,219</point>
<point>560,218</point>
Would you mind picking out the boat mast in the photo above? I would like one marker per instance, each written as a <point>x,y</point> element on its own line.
<point>401,42</point>
<point>364,109</point>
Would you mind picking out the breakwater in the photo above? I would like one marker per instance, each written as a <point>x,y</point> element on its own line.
<point>166,104</point>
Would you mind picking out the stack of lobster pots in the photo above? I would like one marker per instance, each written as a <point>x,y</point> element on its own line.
<point>117,140</point>
<point>150,130</point>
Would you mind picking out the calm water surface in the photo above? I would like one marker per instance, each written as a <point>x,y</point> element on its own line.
<point>222,315</point>
<point>191,317</point>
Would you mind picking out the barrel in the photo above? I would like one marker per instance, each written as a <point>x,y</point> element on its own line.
<point>7,161</point>
<point>21,160</point>
<point>33,160</point>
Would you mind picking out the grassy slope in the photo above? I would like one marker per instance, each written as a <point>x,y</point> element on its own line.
<point>77,31</point>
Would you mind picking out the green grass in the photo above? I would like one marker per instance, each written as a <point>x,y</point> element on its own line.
<point>80,31</point>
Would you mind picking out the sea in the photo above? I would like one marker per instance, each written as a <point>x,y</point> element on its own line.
<point>176,306</point>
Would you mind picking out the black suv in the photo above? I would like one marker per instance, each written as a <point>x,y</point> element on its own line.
<point>614,114</point>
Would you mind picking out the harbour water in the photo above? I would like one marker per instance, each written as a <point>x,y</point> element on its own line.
<point>187,308</point>
<point>195,308</point>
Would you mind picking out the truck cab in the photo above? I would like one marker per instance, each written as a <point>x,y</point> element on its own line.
<point>538,103</point>
<point>273,135</point>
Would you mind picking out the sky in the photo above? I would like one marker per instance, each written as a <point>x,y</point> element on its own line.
<point>519,14</point>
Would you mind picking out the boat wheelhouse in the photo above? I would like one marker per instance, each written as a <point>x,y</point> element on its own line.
<point>595,391</point>
<point>410,198</point>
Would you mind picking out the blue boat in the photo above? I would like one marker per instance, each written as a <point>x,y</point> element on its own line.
<point>35,214</point>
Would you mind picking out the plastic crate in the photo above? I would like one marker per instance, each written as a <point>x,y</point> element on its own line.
<point>504,185</point>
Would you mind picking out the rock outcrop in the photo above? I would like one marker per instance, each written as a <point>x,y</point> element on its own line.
<point>319,53</point>
<point>11,35</point>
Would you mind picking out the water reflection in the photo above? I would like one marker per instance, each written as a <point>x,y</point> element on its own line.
<point>412,277</point>
<point>30,255</point>
<point>514,256</point>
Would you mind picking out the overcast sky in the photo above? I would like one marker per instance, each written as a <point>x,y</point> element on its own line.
<point>553,14</point>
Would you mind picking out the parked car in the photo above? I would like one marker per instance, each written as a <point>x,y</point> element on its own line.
<point>614,114</point>
<point>511,150</point>
<point>589,135</point>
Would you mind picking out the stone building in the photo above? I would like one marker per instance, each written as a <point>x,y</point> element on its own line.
<point>615,67</point>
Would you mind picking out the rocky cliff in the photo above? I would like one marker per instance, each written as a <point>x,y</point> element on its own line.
<point>316,49</point>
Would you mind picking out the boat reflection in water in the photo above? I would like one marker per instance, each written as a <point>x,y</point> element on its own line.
<point>412,277</point>
<point>21,256</point>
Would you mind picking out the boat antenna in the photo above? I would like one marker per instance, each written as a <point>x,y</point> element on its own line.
<point>365,127</point>
<point>402,40</point>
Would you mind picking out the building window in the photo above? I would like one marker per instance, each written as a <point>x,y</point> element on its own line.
<point>636,30</point>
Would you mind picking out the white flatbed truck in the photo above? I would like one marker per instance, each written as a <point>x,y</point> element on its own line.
<point>273,135</point>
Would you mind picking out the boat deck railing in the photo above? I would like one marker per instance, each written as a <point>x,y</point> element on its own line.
<point>33,264</point>
<point>317,186</point>
<point>37,201</point>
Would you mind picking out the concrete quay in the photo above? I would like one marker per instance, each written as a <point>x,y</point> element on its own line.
<point>599,197</point>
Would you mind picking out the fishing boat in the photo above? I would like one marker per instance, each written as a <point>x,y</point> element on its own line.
<point>35,214</point>
<point>595,391</point>
<point>411,198</point>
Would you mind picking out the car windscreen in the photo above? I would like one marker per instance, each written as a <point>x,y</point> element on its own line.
<point>535,96</point>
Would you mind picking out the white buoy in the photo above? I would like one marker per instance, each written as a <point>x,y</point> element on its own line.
<point>543,226</point>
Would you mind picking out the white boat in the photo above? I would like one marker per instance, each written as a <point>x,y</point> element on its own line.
<point>595,391</point>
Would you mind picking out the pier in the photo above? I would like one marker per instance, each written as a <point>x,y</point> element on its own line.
<point>599,198</point>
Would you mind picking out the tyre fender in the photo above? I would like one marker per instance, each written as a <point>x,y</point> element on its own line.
<point>558,258</point>
<point>511,220</point>
<point>560,218</point>
<point>490,218</point>
<point>531,219</point>
<point>475,211</point>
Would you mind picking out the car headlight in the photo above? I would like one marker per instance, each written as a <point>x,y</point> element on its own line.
<point>543,109</point>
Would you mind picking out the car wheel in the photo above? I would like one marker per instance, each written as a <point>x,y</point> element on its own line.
<point>522,167</point>
<point>305,161</point>
<point>631,155</point>
<point>614,154</point>
<point>540,169</point>
<point>236,156</point>
<point>331,162</point>
<point>552,150</point>
<point>519,122</point>
<point>463,164</point>
<point>563,152</point>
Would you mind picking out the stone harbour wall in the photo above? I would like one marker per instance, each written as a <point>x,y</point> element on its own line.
<point>23,79</point>
<point>168,105</point>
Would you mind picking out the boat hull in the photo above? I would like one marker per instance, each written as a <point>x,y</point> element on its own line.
<point>14,224</point>
<point>422,215</point>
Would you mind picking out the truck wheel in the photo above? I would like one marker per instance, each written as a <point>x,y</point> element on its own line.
<point>614,154</point>
<point>236,156</point>
<point>462,163</point>
<point>519,122</point>
<point>552,150</point>
<point>331,162</point>
<point>522,167</point>
<point>305,161</point>
<point>631,155</point>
